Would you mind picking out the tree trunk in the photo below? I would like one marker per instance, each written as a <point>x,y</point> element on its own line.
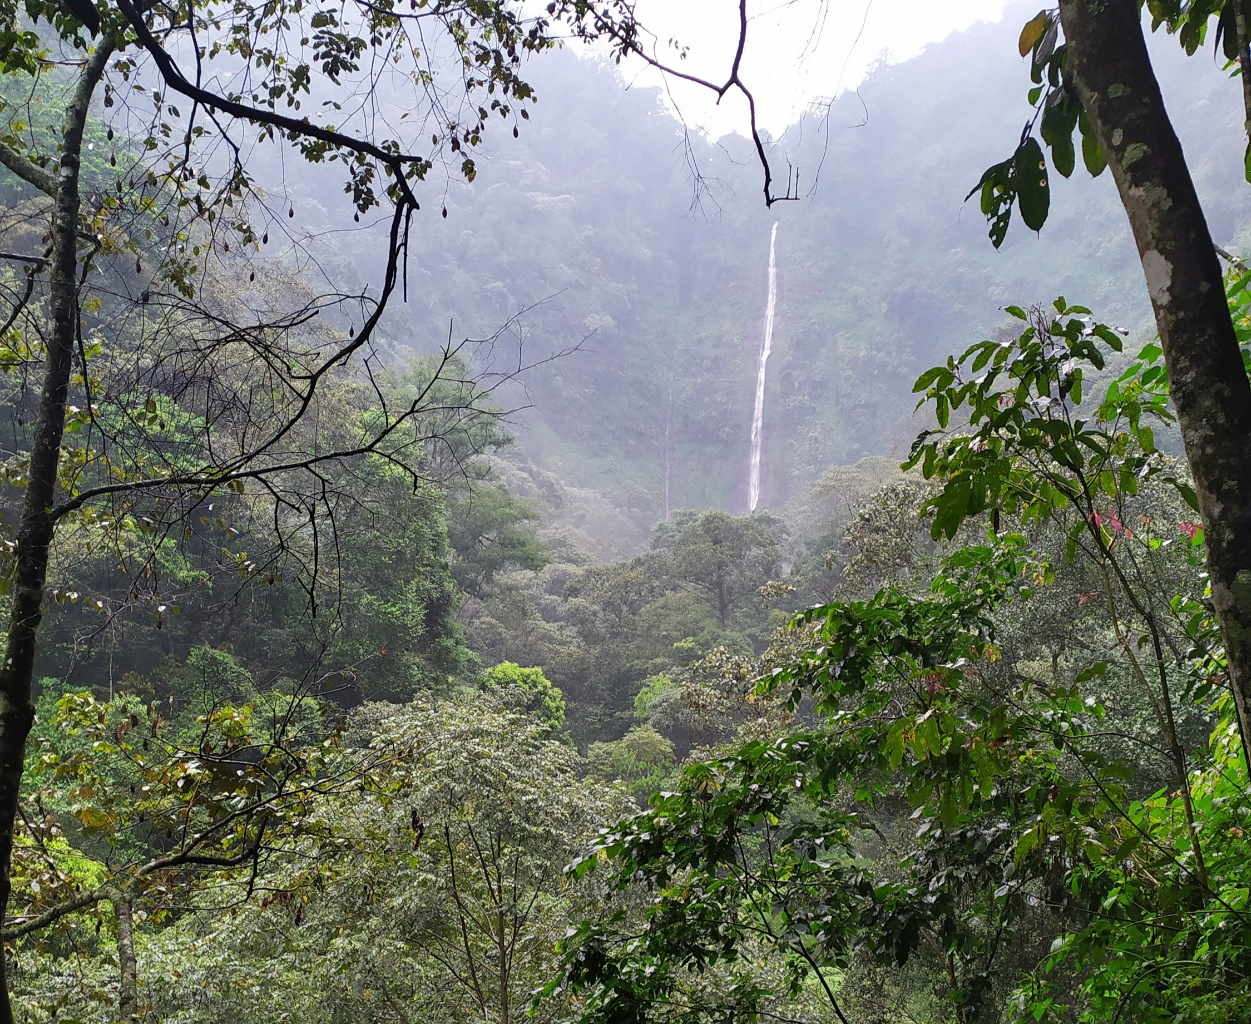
<point>1243,39</point>
<point>501,950</point>
<point>17,710</point>
<point>128,970</point>
<point>1110,71</point>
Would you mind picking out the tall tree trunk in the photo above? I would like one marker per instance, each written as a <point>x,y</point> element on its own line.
<point>34,535</point>
<point>1110,71</point>
<point>501,950</point>
<point>1242,33</point>
<point>128,969</point>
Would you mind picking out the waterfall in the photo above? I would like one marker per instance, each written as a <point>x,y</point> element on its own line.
<point>757,419</point>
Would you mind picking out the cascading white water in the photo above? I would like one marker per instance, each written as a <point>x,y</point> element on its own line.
<point>757,419</point>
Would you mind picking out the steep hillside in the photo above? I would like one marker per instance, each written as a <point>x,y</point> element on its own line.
<point>882,270</point>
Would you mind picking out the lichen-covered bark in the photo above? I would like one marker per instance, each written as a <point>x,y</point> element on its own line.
<point>128,973</point>
<point>1110,71</point>
<point>34,534</point>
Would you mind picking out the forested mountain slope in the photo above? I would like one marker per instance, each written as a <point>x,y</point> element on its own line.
<point>882,270</point>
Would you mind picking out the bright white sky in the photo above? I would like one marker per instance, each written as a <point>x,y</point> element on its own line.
<point>798,51</point>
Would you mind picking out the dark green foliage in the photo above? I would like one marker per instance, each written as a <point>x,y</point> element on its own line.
<point>383,624</point>
<point>600,631</point>
<point>1034,823</point>
<point>722,558</point>
<point>1058,111</point>
<point>490,530</point>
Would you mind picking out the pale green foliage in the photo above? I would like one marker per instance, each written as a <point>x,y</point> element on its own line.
<point>526,690</point>
<point>650,694</point>
<point>642,759</point>
<point>445,906</point>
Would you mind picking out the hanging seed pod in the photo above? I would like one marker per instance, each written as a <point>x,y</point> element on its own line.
<point>356,217</point>
<point>291,212</point>
<point>351,332</point>
<point>138,266</point>
<point>252,276</point>
<point>110,134</point>
<point>265,238</point>
<point>515,132</point>
<point>445,213</point>
<point>227,246</point>
<point>113,159</point>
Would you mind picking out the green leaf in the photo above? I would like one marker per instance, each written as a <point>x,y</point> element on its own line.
<point>1092,153</point>
<point>998,192</point>
<point>1108,335</point>
<point>951,507</point>
<point>1043,53</point>
<point>1095,671</point>
<point>1186,491</point>
<point>1060,117</point>
<point>1064,156</point>
<point>930,376</point>
<point>1227,32</point>
<point>1015,311</point>
<point>1030,178</point>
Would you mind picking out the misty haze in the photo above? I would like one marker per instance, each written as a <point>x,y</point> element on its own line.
<point>541,511</point>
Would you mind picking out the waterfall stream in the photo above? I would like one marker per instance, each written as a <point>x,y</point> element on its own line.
<point>766,347</point>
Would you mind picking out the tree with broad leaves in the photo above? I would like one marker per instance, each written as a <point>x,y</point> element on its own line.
<point>171,816</point>
<point>1031,841</point>
<point>446,903</point>
<point>1092,75</point>
<point>722,558</point>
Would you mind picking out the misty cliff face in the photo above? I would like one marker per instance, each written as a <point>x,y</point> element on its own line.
<point>882,269</point>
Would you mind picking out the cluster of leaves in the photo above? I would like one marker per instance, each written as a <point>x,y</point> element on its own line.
<point>155,810</point>
<point>1022,397</point>
<point>1031,830</point>
<point>1022,179</point>
<point>437,891</point>
<point>763,842</point>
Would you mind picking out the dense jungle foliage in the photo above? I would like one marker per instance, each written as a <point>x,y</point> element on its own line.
<point>508,707</point>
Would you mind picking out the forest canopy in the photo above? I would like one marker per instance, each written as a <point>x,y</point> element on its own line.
<point>466,556</point>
